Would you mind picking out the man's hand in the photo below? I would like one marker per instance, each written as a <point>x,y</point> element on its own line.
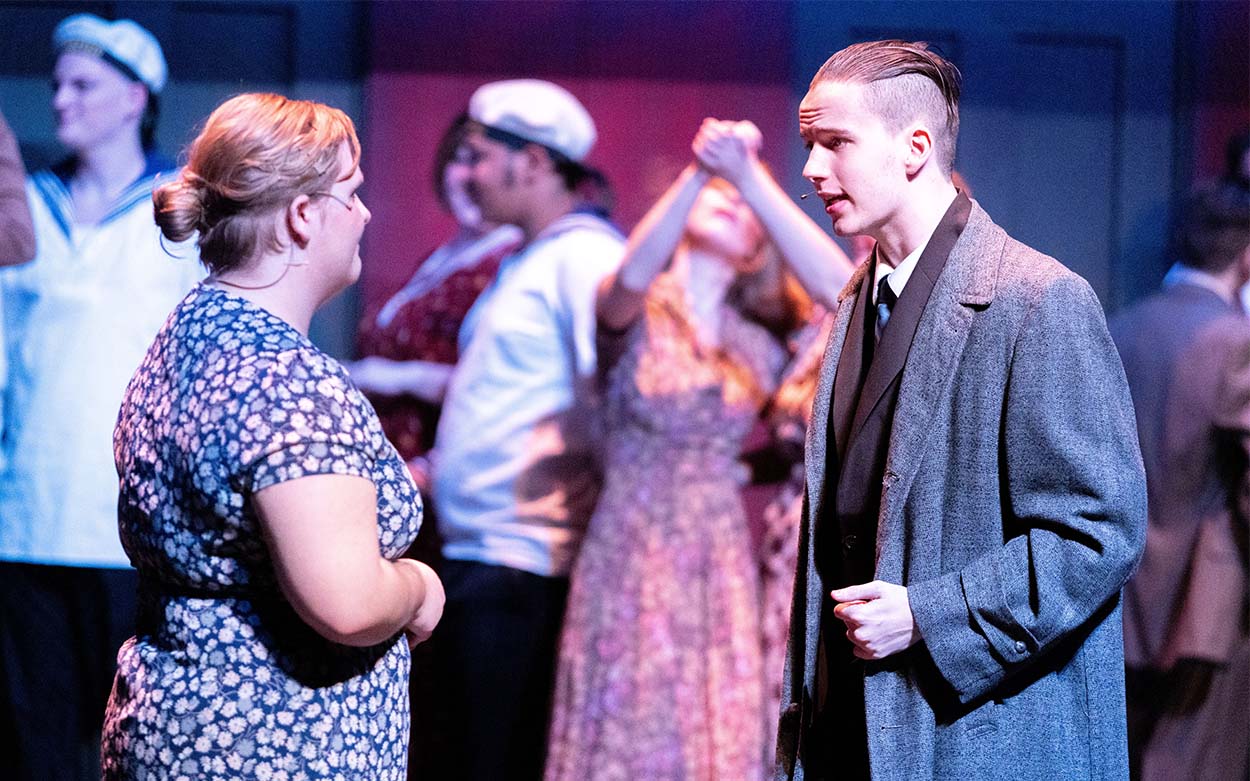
<point>878,618</point>
<point>381,375</point>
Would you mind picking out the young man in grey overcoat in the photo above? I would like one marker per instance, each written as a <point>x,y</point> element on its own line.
<point>975,491</point>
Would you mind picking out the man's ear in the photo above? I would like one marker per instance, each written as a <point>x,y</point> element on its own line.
<point>919,149</point>
<point>298,219</point>
<point>136,100</point>
<point>536,159</point>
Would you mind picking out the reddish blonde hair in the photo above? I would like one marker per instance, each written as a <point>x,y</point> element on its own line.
<point>256,153</point>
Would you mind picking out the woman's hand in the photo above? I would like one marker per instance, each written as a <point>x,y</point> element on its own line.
<point>727,149</point>
<point>422,624</point>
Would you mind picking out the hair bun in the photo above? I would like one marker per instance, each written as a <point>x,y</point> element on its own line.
<point>179,207</point>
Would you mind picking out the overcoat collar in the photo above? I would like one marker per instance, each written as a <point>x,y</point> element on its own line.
<point>966,284</point>
<point>898,338</point>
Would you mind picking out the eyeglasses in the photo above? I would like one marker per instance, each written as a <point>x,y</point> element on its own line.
<point>349,205</point>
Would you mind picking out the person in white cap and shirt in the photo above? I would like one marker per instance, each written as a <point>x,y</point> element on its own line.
<point>514,466</point>
<point>77,321</point>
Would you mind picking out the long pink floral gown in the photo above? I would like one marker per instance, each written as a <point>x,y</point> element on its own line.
<point>660,666</point>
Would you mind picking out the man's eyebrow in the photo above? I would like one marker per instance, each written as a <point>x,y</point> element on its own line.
<point>810,129</point>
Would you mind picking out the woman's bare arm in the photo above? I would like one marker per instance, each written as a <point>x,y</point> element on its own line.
<point>323,536</point>
<point>730,150</point>
<point>650,246</point>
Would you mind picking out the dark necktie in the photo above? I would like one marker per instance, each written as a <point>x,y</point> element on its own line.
<point>886,299</point>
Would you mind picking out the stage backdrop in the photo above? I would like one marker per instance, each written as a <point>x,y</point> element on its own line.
<point>647,72</point>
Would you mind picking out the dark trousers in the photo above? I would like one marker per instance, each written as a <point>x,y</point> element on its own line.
<point>60,628</point>
<point>837,744</point>
<point>1191,722</point>
<point>495,652</point>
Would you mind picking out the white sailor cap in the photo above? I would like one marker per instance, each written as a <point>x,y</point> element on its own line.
<point>536,111</point>
<point>123,44</point>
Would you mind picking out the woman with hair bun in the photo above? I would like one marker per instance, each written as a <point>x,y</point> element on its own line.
<point>260,500</point>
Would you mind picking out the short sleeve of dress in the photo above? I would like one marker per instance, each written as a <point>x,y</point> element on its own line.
<point>304,419</point>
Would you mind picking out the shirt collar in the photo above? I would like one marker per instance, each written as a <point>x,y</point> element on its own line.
<point>1180,274</point>
<point>153,163</point>
<point>53,186</point>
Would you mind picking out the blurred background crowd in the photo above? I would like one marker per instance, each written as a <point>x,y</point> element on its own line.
<point>1113,136</point>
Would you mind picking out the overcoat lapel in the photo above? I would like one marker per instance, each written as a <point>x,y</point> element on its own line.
<point>897,339</point>
<point>965,286</point>
<point>798,684</point>
<point>849,369</point>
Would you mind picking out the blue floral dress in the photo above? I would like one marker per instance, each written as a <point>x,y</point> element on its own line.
<point>223,680</point>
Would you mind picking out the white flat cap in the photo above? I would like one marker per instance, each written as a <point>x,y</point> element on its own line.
<point>124,44</point>
<point>536,111</point>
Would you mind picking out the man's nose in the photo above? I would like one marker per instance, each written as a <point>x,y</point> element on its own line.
<point>60,96</point>
<point>816,169</point>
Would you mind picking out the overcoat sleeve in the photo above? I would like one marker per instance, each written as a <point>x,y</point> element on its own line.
<point>1073,496</point>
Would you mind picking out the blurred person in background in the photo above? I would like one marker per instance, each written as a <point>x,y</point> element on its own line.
<point>1236,177</point>
<point>660,670</point>
<point>408,347</point>
<point>515,467</point>
<point>1186,351</point>
<point>408,344</point>
<point>77,320</point>
<point>261,502</point>
<point>17,234</point>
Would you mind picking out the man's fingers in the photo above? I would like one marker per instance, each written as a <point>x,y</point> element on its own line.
<point>863,591</point>
<point>865,654</point>
<point>846,612</point>
<point>861,646</point>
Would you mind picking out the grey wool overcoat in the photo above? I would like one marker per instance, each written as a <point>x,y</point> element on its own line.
<point>1013,507</point>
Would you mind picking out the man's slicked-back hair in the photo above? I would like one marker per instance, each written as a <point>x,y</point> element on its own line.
<point>906,81</point>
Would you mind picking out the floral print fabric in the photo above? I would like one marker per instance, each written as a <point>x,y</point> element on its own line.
<point>659,671</point>
<point>224,680</point>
